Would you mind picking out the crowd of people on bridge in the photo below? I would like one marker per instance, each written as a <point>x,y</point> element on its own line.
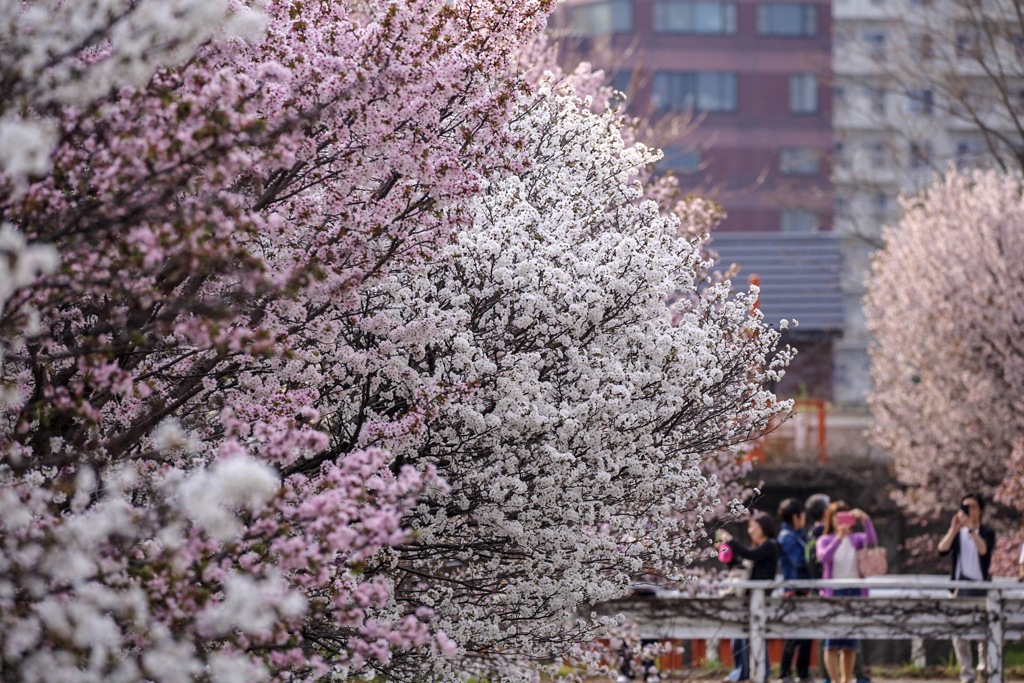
<point>816,539</point>
<point>824,539</point>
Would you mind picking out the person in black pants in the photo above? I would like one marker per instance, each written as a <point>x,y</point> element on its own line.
<point>763,551</point>
<point>793,561</point>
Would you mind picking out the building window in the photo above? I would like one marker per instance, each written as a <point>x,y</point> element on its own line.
<point>705,18</point>
<point>798,220</point>
<point>620,85</point>
<point>787,19</point>
<point>923,45</point>
<point>968,43</point>
<point>1017,40</point>
<point>921,101</point>
<point>711,91</point>
<point>602,18</point>
<point>679,159</point>
<point>880,205</point>
<point>803,94</point>
<point>920,155</point>
<point>876,154</point>
<point>874,42</point>
<point>798,160</point>
<point>839,152</point>
<point>969,153</point>
<point>876,99</point>
<point>842,207</point>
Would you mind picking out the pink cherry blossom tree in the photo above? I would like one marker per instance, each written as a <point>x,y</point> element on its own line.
<point>945,305</point>
<point>219,179</point>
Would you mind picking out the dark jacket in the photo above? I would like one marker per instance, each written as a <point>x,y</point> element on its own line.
<point>765,558</point>
<point>793,560</point>
<point>987,535</point>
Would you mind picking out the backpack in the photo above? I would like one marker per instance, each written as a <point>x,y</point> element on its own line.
<point>811,556</point>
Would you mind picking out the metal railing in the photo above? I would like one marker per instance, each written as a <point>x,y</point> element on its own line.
<point>909,607</point>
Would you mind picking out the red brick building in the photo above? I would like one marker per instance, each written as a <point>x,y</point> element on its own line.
<point>753,78</point>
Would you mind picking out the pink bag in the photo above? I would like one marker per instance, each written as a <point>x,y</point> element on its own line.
<point>872,561</point>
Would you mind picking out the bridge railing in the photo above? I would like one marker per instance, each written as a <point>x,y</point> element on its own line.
<point>910,607</point>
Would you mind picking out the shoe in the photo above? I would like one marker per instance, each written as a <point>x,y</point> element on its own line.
<point>733,677</point>
<point>623,679</point>
<point>786,679</point>
<point>806,679</point>
<point>652,678</point>
<point>864,680</point>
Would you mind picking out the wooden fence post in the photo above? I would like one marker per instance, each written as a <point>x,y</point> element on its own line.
<point>758,649</point>
<point>712,651</point>
<point>994,635</point>
<point>917,656</point>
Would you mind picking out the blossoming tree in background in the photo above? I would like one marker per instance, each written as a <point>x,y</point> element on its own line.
<point>945,305</point>
<point>334,346</point>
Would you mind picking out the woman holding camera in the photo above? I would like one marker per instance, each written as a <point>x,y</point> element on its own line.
<point>837,551</point>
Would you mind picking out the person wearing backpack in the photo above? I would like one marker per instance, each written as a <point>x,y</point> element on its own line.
<point>793,562</point>
<point>814,508</point>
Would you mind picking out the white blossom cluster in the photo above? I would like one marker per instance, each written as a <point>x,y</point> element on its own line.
<point>101,610</point>
<point>584,410</point>
<point>74,52</point>
<point>57,53</point>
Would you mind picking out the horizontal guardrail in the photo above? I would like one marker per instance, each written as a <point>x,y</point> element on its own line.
<point>896,607</point>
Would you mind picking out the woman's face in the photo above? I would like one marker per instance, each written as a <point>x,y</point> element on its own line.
<point>755,531</point>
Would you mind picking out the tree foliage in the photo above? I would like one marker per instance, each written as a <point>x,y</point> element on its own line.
<point>946,304</point>
<point>334,344</point>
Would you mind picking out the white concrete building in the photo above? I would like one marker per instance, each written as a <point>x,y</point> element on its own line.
<point>918,85</point>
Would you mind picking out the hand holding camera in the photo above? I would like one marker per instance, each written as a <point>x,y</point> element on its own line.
<point>959,519</point>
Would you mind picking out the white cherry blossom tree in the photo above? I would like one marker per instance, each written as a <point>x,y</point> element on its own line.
<point>581,418</point>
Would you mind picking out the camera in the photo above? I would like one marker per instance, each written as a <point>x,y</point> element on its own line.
<point>966,509</point>
<point>845,519</point>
